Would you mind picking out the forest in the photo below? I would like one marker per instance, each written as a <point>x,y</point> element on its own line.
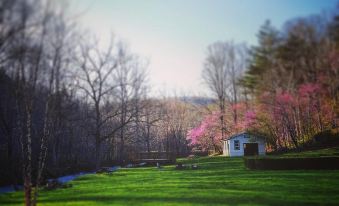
<point>69,103</point>
<point>284,89</point>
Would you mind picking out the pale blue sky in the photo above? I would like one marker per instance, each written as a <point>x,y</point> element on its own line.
<point>174,34</point>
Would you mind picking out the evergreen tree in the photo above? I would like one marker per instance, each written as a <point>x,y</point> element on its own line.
<point>262,58</point>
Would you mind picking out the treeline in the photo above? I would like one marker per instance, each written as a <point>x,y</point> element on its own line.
<point>286,88</point>
<point>293,79</point>
<point>70,103</point>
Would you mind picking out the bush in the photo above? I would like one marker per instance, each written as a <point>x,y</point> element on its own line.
<point>327,137</point>
<point>295,163</point>
<point>200,153</point>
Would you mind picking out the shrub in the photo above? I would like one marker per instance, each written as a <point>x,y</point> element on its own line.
<point>327,137</point>
<point>200,153</point>
<point>294,163</point>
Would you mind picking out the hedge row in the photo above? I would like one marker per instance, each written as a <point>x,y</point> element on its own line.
<point>295,163</point>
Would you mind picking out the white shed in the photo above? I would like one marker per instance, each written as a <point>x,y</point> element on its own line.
<point>243,144</point>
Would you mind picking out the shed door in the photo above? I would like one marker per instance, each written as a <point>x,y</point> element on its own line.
<point>251,149</point>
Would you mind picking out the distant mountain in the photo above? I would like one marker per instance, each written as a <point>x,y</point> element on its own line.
<point>203,101</point>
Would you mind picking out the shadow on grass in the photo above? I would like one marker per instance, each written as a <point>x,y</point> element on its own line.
<point>227,199</point>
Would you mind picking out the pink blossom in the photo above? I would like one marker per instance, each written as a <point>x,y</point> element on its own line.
<point>250,117</point>
<point>308,89</point>
<point>237,106</point>
<point>205,128</point>
<point>285,98</point>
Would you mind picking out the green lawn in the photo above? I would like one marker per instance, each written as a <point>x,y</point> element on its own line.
<point>328,152</point>
<point>334,151</point>
<point>217,181</point>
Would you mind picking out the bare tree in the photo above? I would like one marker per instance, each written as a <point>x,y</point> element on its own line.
<point>29,68</point>
<point>223,66</point>
<point>95,80</point>
<point>131,78</point>
<point>55,63</point>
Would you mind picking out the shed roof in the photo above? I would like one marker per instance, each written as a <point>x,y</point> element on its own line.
<point>239,134</point>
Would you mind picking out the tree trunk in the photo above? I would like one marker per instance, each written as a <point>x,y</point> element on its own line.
<point>28,159</point>
<point>148,139</point>
<point>97,153</point>
<point>122,148</point>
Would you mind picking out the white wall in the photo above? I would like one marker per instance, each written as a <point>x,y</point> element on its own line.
<point>240,152</point>
<point>262,146</point>
<point>225,150</point>
<point>234,153</point>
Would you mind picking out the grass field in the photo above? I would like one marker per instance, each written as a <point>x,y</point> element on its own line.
<point>334,151</point>
<point>217,181</point>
